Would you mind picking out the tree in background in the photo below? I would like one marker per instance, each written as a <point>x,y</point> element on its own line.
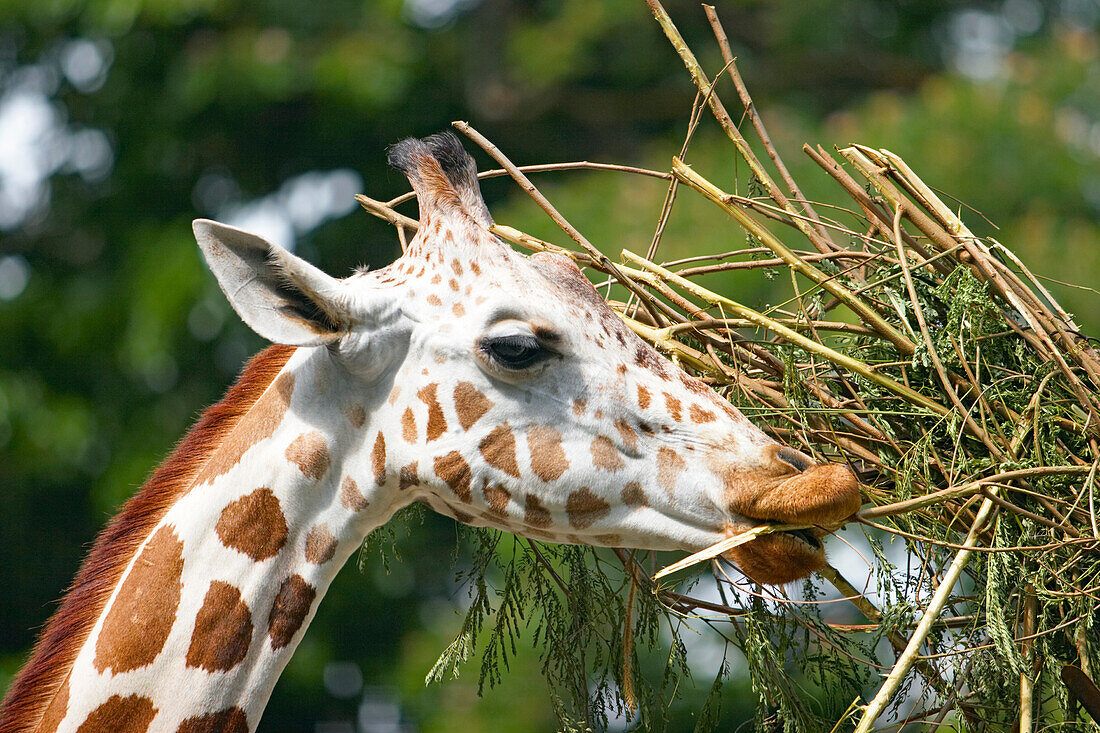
<point>122,120</point>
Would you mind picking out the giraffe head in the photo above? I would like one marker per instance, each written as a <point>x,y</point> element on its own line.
<point>500,389</point>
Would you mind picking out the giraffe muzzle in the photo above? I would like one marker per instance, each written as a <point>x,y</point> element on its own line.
<point>799,492</point>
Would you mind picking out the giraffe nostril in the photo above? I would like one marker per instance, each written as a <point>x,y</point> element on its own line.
<point>793,458</point>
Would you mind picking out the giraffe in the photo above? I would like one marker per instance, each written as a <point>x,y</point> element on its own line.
<point>497,388</point>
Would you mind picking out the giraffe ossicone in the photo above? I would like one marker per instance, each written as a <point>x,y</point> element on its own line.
<point>497,388</point>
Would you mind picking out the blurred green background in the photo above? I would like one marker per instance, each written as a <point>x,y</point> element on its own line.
<point>122,120</point>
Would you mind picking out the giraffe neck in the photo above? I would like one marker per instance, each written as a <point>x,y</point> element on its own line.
<point>217,597</point>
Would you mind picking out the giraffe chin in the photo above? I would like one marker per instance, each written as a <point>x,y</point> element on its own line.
<point>775,559</point>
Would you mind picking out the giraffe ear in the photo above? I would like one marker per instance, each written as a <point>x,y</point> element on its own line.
<point>280,296</point>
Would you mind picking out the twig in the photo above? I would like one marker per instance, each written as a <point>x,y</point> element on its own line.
<point>758,123</point>
<point>544,203</point>
<point>703,84</point>
<point>790,335</point>
<point>551,168</point>
<point>727,544</point>
<point>931,613</point>
<point>828,283</point>
<point>384,211</point>
<point>1027,683</point>
<point>930,346</point>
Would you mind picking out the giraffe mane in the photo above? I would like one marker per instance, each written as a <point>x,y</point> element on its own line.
<point>65,633</point>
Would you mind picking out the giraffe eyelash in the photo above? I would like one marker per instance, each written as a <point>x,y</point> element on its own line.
<point>515,351</point>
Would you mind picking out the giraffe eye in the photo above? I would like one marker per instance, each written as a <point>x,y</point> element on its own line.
<point>514,351</point>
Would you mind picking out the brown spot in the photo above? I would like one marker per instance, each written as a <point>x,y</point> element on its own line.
<point>408,425</point>
<point>534,513</point>
<point>453,284</point>
<point>629,437</point>
<point>378,459</point>
<point>254,525</point>
<point>408,477</point>
<point>437,424</point>
<point>611,540</point>
<point>457,267</point>
<point>498,448</point>
<point>55,713</point>
<point>433,299</point>
<point>437,278</point>
<point>651,360</point>
<point>548,460</point>
<point>730,410</point>
<point>458,310</point>
<point>139,620</point>
<point>131,714</point>
<point>632,495</point>
<point>223,630</point>
<point>694,384</point>
<point>699,415</point>
<point>497,497</point>
<point>461,515</point>
<point>350,496</point>
<point>673,406</point>
<point>605,455</point>
<point>532,532</point>
<point>474,267</point>
<point>455,472</point>
<point>643,397</point>
<point>258,423</point>
<point>309,452</point>
<point>394,394</point>
<point>289,610</point>
<point>320,544</point>
<point>231,720</point>
<point>669,466</point>
<point>579,405</point>
<point>356,415</point>
<point>585,508</point>
<point>470,404</point>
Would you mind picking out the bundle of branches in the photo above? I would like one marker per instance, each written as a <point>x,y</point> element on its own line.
<point>940,369</point>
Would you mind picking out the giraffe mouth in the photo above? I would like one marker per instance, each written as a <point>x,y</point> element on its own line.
<point>806,536</point>
<point>780,557</point>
